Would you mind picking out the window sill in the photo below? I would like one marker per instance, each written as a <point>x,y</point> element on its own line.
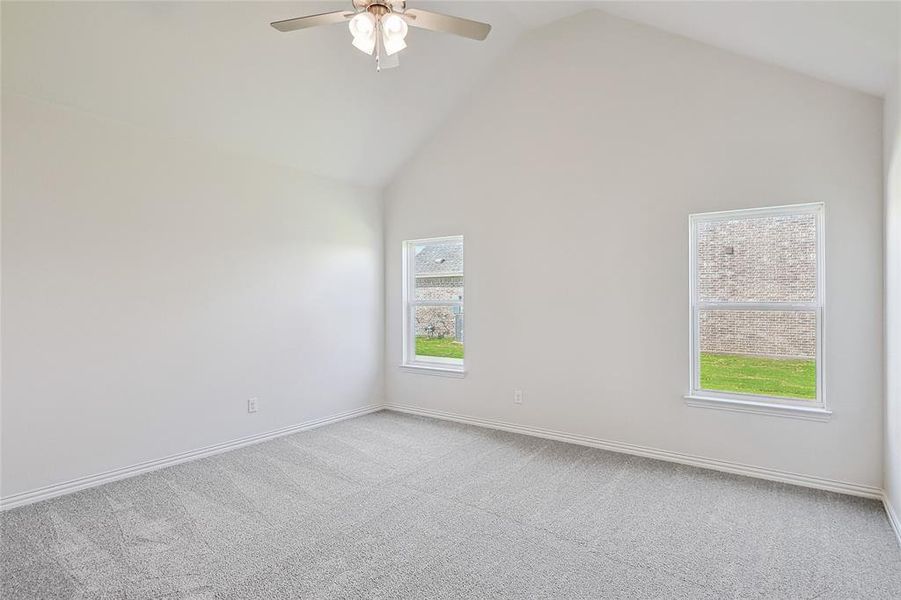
<point>434,370</point>
<point>809,413</point>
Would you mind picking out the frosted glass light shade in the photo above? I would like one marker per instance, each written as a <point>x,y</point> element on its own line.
<point>394,30</point>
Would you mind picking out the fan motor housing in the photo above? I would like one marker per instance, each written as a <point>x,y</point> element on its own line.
<point>379,7</point>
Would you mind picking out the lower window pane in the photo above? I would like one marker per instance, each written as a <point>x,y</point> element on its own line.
<point>439,333</point>
<point>766,353</point>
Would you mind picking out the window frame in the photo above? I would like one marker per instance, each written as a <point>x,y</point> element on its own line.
<point>737,401</point>
<point>410,362</point>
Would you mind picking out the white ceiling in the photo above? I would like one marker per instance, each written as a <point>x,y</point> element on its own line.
<point>854,44</point>
<point>217,72</point>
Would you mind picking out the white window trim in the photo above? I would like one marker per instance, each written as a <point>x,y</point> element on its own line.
<point>409,362</point>
<point>738,402</point>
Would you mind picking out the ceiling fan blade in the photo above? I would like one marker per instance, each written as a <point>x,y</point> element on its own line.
<point>312,21</point>
<point>426,19</point>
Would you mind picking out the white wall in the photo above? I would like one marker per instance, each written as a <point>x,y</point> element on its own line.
<point>150,287</point>
<point>892,139</point>
<point>572,173</point>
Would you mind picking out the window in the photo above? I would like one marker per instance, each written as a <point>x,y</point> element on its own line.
<point>433,305</point>
<point>757,310</point>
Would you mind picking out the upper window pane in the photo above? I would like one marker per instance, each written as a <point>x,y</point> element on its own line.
<point>758,259</point>
<point>438,271</point>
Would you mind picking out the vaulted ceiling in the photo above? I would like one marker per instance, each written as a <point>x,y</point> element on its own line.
<point>217,73</point>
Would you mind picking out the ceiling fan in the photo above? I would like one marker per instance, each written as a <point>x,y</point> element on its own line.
<point>379,27</point>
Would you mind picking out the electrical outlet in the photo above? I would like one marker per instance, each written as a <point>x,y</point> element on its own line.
<point>517,396</point>
<point>252,405</point>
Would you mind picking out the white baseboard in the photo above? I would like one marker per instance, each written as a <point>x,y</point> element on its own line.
<point>892,517</point>
<point>810,481</point>
<point>81,483</point>
<point>74,485</point>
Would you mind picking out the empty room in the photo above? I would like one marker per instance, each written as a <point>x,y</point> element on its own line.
<point>363,299</point>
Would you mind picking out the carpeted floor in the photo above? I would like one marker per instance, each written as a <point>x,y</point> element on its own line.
<point>395,506</point>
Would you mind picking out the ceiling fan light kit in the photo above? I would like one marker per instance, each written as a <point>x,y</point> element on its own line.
<point>380,27</point>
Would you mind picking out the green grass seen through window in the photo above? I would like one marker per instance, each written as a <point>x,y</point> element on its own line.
<point>786,378</point>
<point>439,347</point>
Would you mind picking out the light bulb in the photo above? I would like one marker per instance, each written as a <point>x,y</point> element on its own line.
<point>362,24</point>
<point>394,25</point>
<point>394,30</point>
